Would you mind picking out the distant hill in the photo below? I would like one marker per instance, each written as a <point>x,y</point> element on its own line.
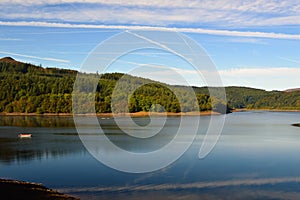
<point>9,60</point>
<point>292,90</point>
<point>10,65</point>
<point>27,88</point>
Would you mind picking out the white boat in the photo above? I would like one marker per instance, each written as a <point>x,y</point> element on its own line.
<point>24,135</point>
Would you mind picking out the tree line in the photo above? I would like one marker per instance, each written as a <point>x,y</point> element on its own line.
<point>27,88</point>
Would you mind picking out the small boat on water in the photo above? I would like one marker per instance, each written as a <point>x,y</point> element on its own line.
<point>24,135</point>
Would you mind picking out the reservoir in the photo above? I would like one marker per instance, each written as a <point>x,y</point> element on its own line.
<point>256,157</point>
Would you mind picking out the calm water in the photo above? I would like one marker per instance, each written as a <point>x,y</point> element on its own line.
<point>257,157</point>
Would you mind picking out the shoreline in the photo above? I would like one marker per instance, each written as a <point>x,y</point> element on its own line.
<point>264,109</point>
<point>29,190</point>
<point>136,114</point>
<point>143,113</point>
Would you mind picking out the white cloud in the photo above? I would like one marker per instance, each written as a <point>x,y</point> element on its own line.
<point>238,5</point>
<point>187,30</point>
<point>264,78</point>
<point>290,60</point>
<point>10,39</point>
<point>169,75</point>
<point>245,40</point>
<point>34,57</point>
<point>238,13</point>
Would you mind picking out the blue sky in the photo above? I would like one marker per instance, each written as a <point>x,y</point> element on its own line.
<point>252,43</point>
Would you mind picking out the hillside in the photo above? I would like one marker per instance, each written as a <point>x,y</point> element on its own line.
<point>49,90</point>
<point>292,90</point>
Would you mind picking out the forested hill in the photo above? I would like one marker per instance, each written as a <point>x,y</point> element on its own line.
<point>27,88</point>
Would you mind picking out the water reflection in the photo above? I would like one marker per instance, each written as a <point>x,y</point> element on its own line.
<point>264,192</point>
<point>257,157</point>
<point>268,188</point>
<point>45,143</point>
<point>37,121</point>
<point>12,155</point>
<point>134,144</point>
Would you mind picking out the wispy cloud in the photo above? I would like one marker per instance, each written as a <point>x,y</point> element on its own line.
<point>252,34</point>
<point>10,39</point>
<point>235,13</point>
<point>290,60</point>
<point>170,75</point>
<point>245,40</point>
<point>238,5</point>
<point>34,57</point>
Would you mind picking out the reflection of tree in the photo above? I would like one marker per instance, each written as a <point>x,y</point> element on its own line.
<point>37,121</point>
<point>12,150</point>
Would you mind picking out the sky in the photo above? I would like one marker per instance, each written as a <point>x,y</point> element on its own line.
<point>253,43</point>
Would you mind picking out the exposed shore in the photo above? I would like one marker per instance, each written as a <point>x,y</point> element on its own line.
<point>136,114</point>
<point>12,189</point>
<point>143,114</point>
<point>264,109</point>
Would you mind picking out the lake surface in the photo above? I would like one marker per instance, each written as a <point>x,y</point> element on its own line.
<point>256,157</point>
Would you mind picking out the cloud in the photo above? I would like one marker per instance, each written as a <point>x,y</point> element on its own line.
<point>10,39</point>
<point>252,34</point>
<point>290,60</point>
<point>265,78</point>
<point>261,6</point>
<point>235,13</point>
<point>245,40</point>
<point>35,57</point>
<point>169,75</point>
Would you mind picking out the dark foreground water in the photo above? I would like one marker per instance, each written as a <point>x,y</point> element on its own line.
<point>256,157</point>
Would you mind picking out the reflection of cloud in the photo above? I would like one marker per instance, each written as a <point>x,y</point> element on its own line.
<point>126,27</point>
<point>147,176</point>
<point>196,185</point>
